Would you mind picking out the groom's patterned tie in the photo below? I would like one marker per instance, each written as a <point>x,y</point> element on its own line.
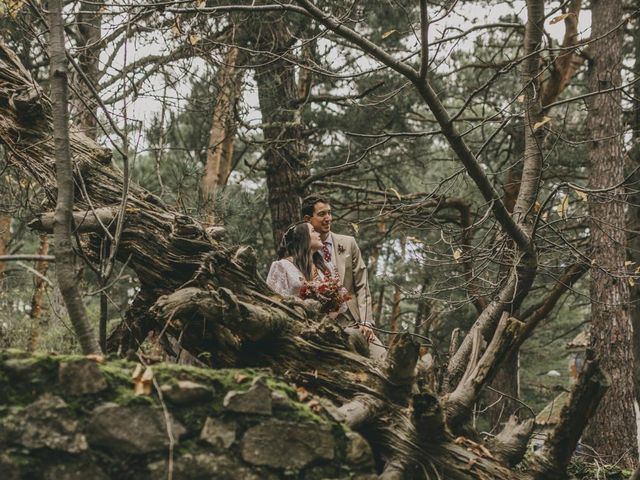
<point>326,252</point>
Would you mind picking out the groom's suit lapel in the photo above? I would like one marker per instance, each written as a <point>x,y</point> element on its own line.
<point>339,254</point>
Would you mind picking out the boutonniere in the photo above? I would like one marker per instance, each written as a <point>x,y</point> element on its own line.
<point>340,249</point>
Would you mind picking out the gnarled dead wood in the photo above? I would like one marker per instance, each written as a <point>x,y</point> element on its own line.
<point>511,443</point>
<point>567,63</point>
<point>99,220</point>
<point>551,461</point>
<point>459,403</point>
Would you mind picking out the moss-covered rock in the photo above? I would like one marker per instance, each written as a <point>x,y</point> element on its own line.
<point>68,417</point>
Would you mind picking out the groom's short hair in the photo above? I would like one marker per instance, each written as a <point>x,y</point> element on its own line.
<point>309,202</point>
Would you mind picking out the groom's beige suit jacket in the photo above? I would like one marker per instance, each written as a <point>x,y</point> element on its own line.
<point>353,273</point>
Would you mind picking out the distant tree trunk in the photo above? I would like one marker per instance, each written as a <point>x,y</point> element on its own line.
<point>89,23</point>
<point>612,432</point>
<point>374,261</point>
<point>395,308</point>
<point>285,152</point>
<point>567,62</point>
<point>378,304</point>
<point>37,299</point>
<point>5,239</point>
<point>223,126</point>
<point>423,318</point>
<point>397,294</point>
<point>375,249</point>
<point>505,388</point>
<point>65,256</point>
<point>634,207</point>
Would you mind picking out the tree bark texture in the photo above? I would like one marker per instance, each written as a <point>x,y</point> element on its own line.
<point>567,62</point>
<point>89,23</point>
<point>5,238</point>
<point>634,204</point>
<point>612,432</point>
<point>505,391</point>
<point>285,151</point>
<point>223,125</point>
<point>37,299</point>
<point>65,256</point>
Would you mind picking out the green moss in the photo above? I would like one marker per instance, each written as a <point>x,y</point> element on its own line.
<point>13,353</point>
<point>117,371</point>
<point>584,470</point>
<point>194,416</point>
<point>285,388</point>
<point>118,374</point>
<point>224,379</point>
<point>24,377</point>
<point>17,393</point>
<point>192,446</point>
<point>302,413</point>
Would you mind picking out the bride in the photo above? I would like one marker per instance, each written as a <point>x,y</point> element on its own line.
<point>301,265</point>
<point>300,261</point>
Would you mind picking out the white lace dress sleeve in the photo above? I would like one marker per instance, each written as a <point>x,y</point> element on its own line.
<point>285,278</point>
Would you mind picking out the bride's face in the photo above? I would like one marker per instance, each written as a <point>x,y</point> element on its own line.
<point>315,242</point>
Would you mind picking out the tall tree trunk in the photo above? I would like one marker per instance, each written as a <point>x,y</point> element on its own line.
<point>612,432</point>
<point>89,23</point>
<point>65,256</point>
<point>397,293</point>
<point>423,319</point>
<point>395,308</point>
<point>223,126</point>
<point>376,248</point>
<point>5,239</point>
<point>504,391</point>
<point>285,146</point>
<point>634,206</point>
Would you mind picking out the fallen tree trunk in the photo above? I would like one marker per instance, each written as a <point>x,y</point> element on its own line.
<point>207,297</point>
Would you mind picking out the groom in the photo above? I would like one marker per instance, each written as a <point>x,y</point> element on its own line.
<point>342,252</point>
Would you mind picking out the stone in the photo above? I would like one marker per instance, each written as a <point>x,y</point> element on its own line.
<point>206,466</point>
<point>75,471</point>
<point>280,401</point>
<point>134,430</point>
<point>81,377</point>
<point>287,445</point>
<point>49,423</point>
<point>255,400</point>
<point>7,418</point>
<point>331,409</point>
<point>358,452</point>
<point>219,433</point>
<point>9,470</point>
<point>28,370</point>
<point>185,392</point>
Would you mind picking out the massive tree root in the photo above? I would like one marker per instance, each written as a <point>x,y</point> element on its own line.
<point>206,296</point>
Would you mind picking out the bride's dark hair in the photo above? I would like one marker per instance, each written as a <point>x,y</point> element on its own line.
<point>296,243</point>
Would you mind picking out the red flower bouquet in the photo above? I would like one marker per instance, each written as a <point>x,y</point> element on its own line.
<point>330,293</point>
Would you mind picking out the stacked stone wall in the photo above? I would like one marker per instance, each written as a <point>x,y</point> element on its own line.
<point>68,418</point>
